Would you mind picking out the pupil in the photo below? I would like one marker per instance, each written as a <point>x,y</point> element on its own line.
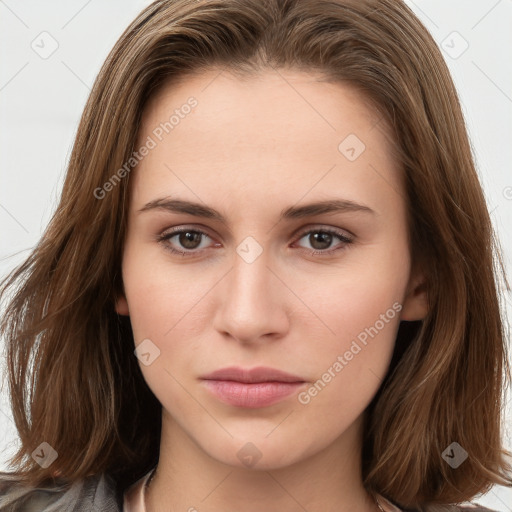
<point>324,239</point>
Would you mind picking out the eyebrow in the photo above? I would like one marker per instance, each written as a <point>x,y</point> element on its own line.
<point>292,212</point>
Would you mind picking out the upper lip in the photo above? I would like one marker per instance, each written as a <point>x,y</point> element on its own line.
<point>259,374</point>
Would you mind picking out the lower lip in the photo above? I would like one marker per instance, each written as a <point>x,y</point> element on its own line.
<point>253,395</point>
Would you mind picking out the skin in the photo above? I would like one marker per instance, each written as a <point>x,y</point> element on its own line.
<point>250,149</point>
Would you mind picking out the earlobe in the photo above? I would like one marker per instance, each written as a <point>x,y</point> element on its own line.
<point>415,305</point>
<point>122,306</point>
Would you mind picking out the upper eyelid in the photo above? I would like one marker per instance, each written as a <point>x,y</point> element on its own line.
<point>301,230</point>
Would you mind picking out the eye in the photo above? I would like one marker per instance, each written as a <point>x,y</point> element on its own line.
<point>321,240</point>
<point>189,242</point>
<point>188,239</point>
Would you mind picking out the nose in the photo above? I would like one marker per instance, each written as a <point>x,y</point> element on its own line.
<point>252,302</point>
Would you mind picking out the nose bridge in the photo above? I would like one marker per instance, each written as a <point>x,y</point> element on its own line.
<point>250,276</point>
<point>251,304</point>
<point>250,279</point>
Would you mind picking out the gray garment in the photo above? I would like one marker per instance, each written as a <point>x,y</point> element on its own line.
<point>93,494</point>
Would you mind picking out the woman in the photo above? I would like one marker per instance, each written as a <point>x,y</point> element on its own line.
<point>271,279</point>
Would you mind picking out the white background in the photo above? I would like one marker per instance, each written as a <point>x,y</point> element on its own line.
<point>41,101</point>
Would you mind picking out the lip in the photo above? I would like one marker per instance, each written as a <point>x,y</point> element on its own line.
<point>251,388</point>
<point>257,374</point>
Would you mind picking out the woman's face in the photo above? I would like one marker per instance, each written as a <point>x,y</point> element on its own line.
<point>293,255</point>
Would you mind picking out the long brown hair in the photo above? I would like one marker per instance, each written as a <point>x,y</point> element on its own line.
<point>74,380</point>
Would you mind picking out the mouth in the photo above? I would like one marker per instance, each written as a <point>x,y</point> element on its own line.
<point>251,388</point>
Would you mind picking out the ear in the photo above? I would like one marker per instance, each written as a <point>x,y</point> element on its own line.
<point>122,306</point>
<point>415,305</point>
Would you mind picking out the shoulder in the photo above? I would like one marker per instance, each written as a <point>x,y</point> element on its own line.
<point>96,492</point>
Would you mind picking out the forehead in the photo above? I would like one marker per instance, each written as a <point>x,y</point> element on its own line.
<point>278,130</point>
<point>279,98</point>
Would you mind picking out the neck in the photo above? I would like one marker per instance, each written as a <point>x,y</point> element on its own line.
<point>189,479</point>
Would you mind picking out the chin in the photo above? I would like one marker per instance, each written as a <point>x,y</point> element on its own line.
<point>259,454</point>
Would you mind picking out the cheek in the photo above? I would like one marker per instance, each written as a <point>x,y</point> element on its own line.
<point>343,302</point>
<point>167,306</point>
<point>162,297</point>
<point>358,315</point>
<point>350,365</point>
<point>163,304</point>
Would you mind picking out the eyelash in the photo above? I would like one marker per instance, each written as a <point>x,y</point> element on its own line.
<point>165,237</point>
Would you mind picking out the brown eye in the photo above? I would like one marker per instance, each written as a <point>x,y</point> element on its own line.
<point>189,239</point>
<point>321,240</point>
<point>184,241</point>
